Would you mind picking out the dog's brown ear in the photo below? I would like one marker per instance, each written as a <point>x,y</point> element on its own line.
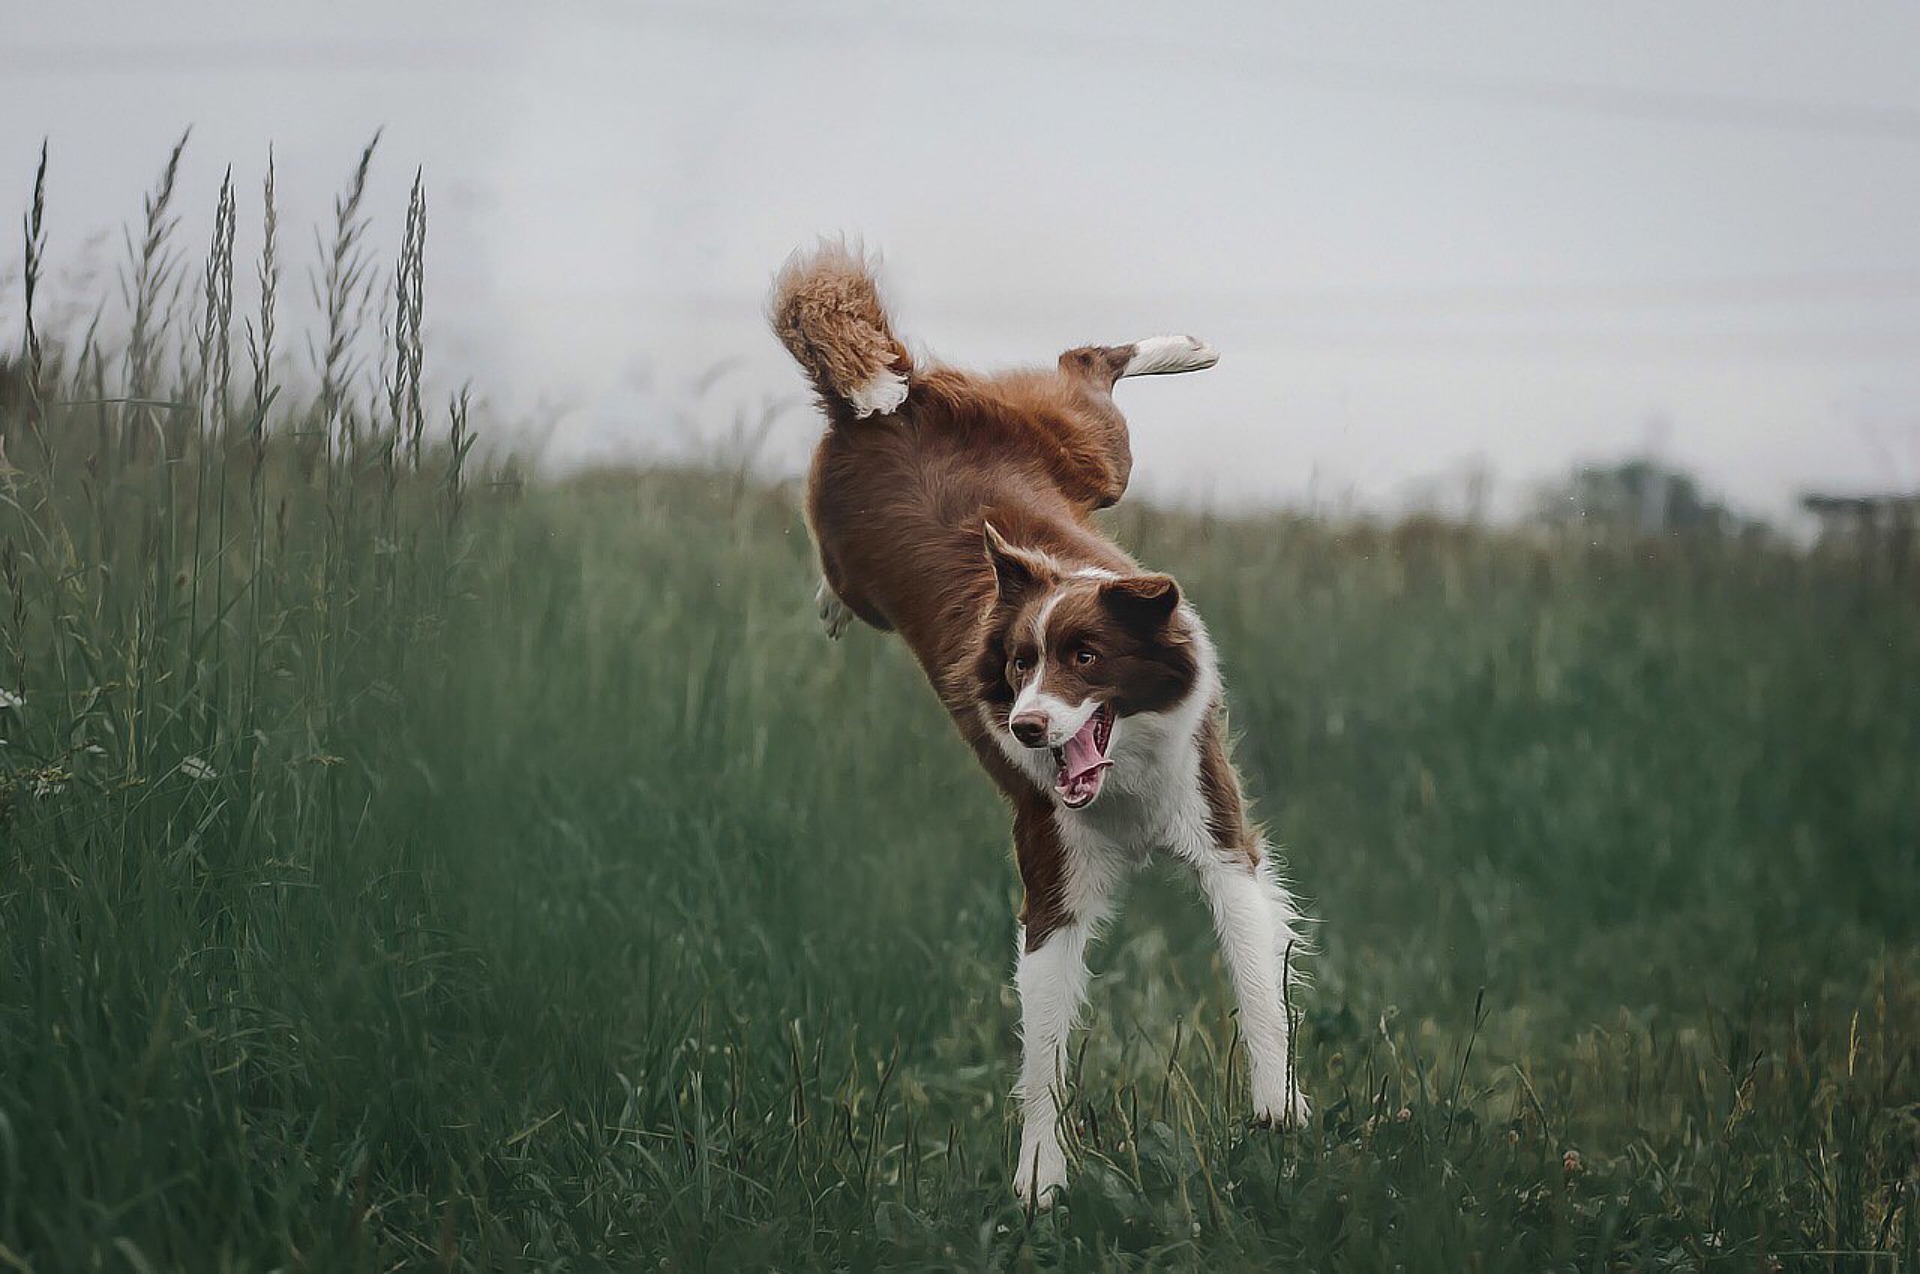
<point>1154,356</point>
<point>1014,571</point>
<point>1143,601</point>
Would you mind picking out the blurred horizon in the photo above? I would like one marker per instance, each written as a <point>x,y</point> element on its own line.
<point>1506,243</point>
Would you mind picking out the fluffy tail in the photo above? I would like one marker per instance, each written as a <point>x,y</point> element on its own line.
<point>826,310</point>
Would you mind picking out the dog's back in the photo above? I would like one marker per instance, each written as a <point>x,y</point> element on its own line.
<point>916,458</point>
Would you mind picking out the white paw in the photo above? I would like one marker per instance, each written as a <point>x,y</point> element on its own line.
<point>1040,1176</point>
<point>834,615</point>
<point>1161,355</point>
<point>1281,1110</point>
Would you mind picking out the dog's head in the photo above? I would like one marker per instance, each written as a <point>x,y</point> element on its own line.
<point>1068,655</point>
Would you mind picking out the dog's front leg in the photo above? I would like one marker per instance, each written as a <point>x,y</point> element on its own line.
<point>1067,895</point>
<point>1258,929</point>
<point>1052,978</point>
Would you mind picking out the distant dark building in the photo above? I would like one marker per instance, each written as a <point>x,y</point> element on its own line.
<point>1878,529</point>
<point>1854,519</point>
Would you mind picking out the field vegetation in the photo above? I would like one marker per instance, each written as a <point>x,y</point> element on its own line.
<point>404,864</point>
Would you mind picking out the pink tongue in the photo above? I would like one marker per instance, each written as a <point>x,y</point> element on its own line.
<point>1083,756</point>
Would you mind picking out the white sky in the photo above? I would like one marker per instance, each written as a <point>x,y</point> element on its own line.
<point>1419,235</point>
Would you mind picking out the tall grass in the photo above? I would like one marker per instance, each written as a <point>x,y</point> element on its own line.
<point>213,597</point>
<point>402,869</point>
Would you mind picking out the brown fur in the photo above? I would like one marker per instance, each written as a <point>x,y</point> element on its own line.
<point>900,507</point>
<point>1042,863</point>
<point>1227,820</point>
<point>1140,654</point>
<point>826,310</point>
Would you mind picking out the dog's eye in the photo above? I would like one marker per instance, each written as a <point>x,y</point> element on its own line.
<point>1084,657</point>
<point>1020,666</point>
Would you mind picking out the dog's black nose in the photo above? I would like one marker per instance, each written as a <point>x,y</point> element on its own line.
<point>1030,730</point>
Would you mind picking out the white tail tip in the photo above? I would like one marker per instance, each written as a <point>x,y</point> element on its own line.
<point>879,396</point>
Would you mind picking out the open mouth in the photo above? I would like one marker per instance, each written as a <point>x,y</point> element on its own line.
<point>1083,761</point>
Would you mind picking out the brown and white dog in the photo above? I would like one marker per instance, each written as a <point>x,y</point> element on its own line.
<point>954,509</point>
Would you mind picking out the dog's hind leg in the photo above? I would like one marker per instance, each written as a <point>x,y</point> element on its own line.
<point>835,615</point>
<point>1093,371</point>
<point>1166,355</point>
<point>1106,365</point>
<point>838,606</point>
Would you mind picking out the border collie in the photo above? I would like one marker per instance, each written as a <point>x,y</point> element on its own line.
<point>954,509</point>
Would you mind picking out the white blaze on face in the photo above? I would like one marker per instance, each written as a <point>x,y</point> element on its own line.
<point>1064,720</point>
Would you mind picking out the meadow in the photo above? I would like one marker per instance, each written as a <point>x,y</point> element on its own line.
<point>408,864</point>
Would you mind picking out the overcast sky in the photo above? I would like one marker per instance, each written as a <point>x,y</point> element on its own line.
<point>1421,236</point>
